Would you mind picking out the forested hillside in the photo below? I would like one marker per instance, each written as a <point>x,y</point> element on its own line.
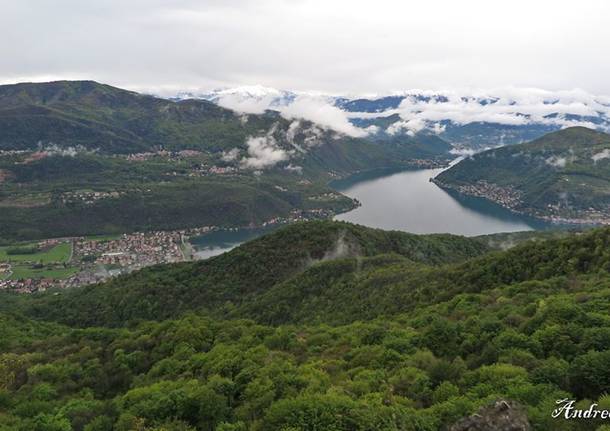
<point>349,329</point>
<point>564,175</point>
<point>111,120</point>
<point>243,275</point>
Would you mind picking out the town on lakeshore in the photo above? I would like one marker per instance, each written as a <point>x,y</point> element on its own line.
<point>510,198</point>
<point>79,261</point>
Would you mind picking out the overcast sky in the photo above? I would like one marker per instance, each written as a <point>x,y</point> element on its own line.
<point>334,46</point>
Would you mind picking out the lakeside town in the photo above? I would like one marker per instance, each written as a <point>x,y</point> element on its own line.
<point>510,198</point>
<point>93,260</point>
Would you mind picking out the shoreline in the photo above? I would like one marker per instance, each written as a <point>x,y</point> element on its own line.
<point>555,220</point>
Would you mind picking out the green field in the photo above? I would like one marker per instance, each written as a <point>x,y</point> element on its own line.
<point>25,271</point>
<point>58,254</point>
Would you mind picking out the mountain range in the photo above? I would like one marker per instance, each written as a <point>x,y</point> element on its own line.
<point>110,120</point>
<point>469,120</point>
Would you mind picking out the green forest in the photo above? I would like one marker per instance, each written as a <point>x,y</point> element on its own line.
<point>318,326</point>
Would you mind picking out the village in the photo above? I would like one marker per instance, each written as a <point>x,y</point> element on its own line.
<point>505,196</point>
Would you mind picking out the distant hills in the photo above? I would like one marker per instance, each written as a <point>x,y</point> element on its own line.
<point>475,120</point>
<point>115,121</point>
<point>563,176</point>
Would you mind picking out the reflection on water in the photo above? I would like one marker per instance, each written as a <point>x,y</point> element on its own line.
<point>408,201</point>
<point>399,200</point>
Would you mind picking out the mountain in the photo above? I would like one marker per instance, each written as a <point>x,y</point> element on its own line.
<point>563,176</point>
<point>115,121</point>
<point>244,94</point>
<point>386,331</point>
<point>173,164</point>
<point>475,120</point>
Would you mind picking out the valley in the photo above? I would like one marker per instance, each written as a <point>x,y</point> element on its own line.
<point>310,215</point>
<point>214,171</point>
<point>191,254</point>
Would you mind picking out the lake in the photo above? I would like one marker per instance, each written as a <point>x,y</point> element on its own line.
<point>399,200</point>
<point>408,201</point>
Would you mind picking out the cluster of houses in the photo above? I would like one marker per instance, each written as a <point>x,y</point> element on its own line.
<point>506,196</point>
<point>131,251</point>
<point>88,197</point>
<point>31,285</point>
<point>427,163</point>
<point>171,155</point>
<point>558,213</point>
<point>330,196</point>
<point>300,215</point>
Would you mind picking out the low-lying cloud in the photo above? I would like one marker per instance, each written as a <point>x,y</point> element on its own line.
<point>323,113</point>
<point>231,155</point>
<point>263,152</point>
<point>556,162</point>
<point>430,110</point>
<point>292,106</point>
<point>605,154</point>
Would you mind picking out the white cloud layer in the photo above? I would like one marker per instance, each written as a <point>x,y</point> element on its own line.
<point>317,109</point>
<point>430,110</point>
<point>508,106</point>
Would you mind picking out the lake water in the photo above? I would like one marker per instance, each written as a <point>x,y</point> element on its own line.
<point>399,200</point>
<point>217,242</point>
<point>408,201</point>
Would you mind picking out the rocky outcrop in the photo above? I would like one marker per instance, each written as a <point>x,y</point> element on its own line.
<point>500,416</point>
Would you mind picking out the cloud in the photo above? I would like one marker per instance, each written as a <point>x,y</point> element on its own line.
<point>323,113</point>
<point>294,168</point>
<point>292,106</point>
<point>508,106</point>
<point>292,131</point>
<point>431,110</point>
<point>55,150</point>
<point>231,155</point>
<point>556,161</point>
<point>253,99</point>
<point>263,152</point>
<point>372,130</point>
<point>605,154</point>
<point>411,127</point>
